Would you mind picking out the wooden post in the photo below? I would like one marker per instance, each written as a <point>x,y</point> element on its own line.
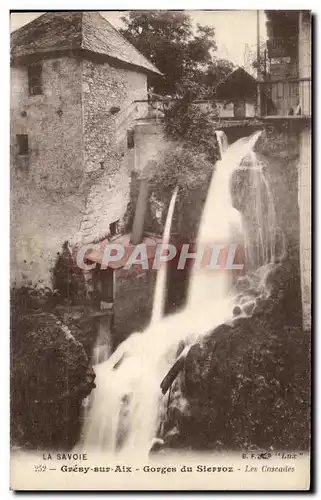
<point>139,218</point>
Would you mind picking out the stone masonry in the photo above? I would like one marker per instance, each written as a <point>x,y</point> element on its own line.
<point>106,156</point>
<point>74,180</point>
<point>47,200</point>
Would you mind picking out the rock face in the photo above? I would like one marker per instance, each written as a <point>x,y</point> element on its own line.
<point>246,384</point>
<point>50,376</point>
<point>247,387</point>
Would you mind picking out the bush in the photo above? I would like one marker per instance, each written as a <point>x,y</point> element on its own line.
<point>188,164</point>
<point>183,168</point>
<point>187,124</point>
<point>50,375</point>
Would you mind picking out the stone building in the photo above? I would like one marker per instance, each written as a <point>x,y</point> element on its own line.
<point>78,90</point>
<point>289,86</point>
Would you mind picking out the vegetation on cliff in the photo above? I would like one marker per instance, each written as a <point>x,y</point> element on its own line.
<point>50,376</point>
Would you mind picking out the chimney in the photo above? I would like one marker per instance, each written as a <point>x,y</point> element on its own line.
<point>140,212</point>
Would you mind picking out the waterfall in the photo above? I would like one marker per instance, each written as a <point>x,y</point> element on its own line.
<point>160,288</point>
<point>222,141</point>
<point>127,407</point>
<point>220,223</point>
<point>258,214</point>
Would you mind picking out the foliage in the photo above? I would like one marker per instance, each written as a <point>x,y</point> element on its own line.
<point>167,39</point>
<point>32,298</point>
<point>45,410</point>
<point>279,143</point>
<point>263,67</point>
<point>180,167</point>
<point>183,167</point>
<point>255,393</point>
<point>68,288</point>
<point>216,71</point>
<point>190,71</point>
<point>189,125</point>
<point>187,164</point>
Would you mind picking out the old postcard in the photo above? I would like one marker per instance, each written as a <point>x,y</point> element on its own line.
<point>160,250</point>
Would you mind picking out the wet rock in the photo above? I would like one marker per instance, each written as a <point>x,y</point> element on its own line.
<point>156,446</point>
<point>82,323</point>
<point>249,307</point>
<point>237,310</point>
<point>246,383</point>
<point>50,376</point>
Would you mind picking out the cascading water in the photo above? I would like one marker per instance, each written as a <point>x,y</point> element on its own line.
<point>127,406</point>
<point>222,141</point>
<point>221,224</point>
<point>160,288</point>
<point>258,214</point>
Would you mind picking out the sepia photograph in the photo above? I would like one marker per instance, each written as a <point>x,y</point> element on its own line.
<point>161,250</point>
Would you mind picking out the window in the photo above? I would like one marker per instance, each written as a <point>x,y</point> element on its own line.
<point>114,228</point>
<point>22,143</point>
<point>130,139</point>
<point>35,79</point>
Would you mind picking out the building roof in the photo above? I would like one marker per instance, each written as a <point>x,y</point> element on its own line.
<point>149,241</point>
<point>238,85</point>
<point>89,31</point>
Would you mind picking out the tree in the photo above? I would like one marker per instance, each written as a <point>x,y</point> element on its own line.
<point>188,125</point>
<point>200,82</point>
<point>216,71</point>
<point>167,39</point>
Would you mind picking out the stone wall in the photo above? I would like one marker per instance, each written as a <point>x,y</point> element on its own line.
<point>305,61</point>
<point>107,160</point>
<point>134,293</point>
<point>46,185</point>
<point>305,44</point>
<point>149,142</point>
<point>305,203</point>
<point>75,180</point>
<point>279,151</point>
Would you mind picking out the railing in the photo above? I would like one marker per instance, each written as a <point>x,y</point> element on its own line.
<point>157,105</point>
<point>287,97</point>
<point>282,46</point>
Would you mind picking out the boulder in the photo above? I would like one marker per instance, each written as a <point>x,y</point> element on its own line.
<point>50,376</point>
<point>246,388</point>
